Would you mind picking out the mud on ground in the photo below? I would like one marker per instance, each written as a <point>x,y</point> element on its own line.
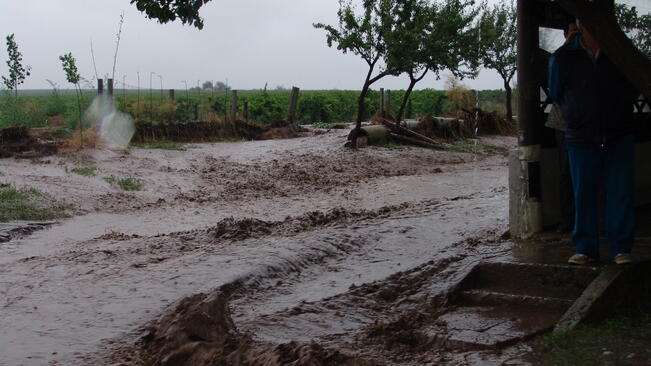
<point>262,253</point>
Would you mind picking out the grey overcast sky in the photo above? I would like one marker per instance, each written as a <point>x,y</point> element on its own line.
<point>246,42</point>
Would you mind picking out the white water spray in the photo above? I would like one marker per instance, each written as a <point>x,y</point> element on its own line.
<point>115,128</point>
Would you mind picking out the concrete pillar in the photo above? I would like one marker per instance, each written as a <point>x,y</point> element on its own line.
<point>525,206</point>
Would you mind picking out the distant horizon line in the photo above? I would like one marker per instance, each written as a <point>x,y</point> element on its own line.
<point>221,91</point>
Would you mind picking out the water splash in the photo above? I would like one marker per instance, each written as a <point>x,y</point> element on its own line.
<point>115,128</point>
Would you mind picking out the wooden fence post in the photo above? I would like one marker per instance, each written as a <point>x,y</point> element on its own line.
<point>233,105</point>
<point>100,86</point>
<point>387,104</point>
<point>293,104</point>
<point>382,107</point>
<point>109,83</point>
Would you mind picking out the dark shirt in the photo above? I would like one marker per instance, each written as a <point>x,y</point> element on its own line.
<point>595,98</point>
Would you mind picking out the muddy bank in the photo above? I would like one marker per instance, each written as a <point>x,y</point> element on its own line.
<point>211,131</point>
<point>304,173</point>
<point>200,331</point>
<point>239,229</point>
<point>19,229</point>
<point>19,142</point>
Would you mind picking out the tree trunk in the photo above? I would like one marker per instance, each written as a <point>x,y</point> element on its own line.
<point>81,130</point>
<point>361,106</point>
<point>412,83</point>
<point>15,106</point>
<point>509,105</point>
<point>602,24</point>
<point>361,103</point>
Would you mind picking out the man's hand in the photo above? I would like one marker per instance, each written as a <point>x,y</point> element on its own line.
<point>572,31</point>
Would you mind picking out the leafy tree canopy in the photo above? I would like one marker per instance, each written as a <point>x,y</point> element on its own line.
<point>187,11</point>
<point>498,45</point>
<point>17,72</point>
<point>364,34</point>
<point>498,34</point>
<point>637,27</point>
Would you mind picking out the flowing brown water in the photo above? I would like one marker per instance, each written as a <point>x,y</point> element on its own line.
<point>278,224</point>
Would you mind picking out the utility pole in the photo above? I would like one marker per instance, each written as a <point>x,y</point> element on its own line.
<point>124,88</point>
<point>161,88</point>
<point>151,96</point>
<point>187,96</point>
<point>138,109</point>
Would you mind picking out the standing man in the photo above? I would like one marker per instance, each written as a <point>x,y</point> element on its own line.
<point>596,102</point>
<point>556,122</point>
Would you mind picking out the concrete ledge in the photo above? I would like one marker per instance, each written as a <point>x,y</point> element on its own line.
<point>615,290</point>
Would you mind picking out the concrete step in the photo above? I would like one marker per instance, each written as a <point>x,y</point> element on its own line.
<point>492,327</point>
<point>537,280</point>
<point>500,304</point>
<point>492,298</point>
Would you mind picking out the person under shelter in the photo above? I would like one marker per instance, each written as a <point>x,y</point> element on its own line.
<point>596,102</point>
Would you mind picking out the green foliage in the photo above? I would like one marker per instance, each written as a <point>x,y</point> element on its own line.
<point>475,146</point>
<point>21,112</point>
<point>361,34</point>
<point>637,27</point>
<point>314,106</point>
<point>17,72</point>
<point>28,204</point>
<point>409,36</point>
<point>432,37</point>
<point>55,105</point>
<point>70,68</point>
<point>72,75</point>
<point>126,184</point>
<point>169,10</point>
<point>391,145</point>
<point>328,125</point>
<point>162,145</point>
<point>87,171</point>
<point>366,35</point>
<point>498,32</point>
<point>267,106</point>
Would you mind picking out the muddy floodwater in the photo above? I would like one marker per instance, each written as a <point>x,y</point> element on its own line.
<point>289,249</point>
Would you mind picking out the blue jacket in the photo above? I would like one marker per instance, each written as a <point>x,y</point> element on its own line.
<point>596,100</point>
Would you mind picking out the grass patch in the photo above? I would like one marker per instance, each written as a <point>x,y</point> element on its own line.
<point>29,204</point>
<point>473,146</point>
<point>329,125</point>
<point>126,184</point>
<point>86,171</point>
<point>618,341</point>
<point>391,145</point>
<point>162,145</point>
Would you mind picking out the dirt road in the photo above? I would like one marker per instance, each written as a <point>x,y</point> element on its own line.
<point>297,241</point>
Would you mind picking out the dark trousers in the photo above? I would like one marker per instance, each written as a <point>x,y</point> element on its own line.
<point>612,164</point>
<point>566,194</point>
